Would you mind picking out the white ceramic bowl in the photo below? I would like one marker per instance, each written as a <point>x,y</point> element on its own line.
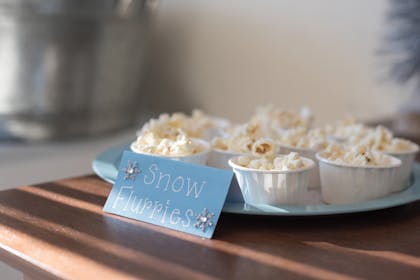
<point>407,158</point>
<point>273,187</point>
<point>198,158</point>
<point>314,180</point>
<point>344,184</point>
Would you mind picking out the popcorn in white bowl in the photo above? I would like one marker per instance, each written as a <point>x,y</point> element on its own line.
<point>346,130</point>
<point>360,155</point>
<point>182,148</point>
<point>313,139</point>
<point>274,120</point>
<point>273,180</point>
<point>241,139</point>
<point>355,174</point>
<point>306,143</point>
<point>201,125</point>
<point>279,162</point>
<point>198,125</point>
<point>345,147</point>
<point>405,151</point>
<point>383,140</point>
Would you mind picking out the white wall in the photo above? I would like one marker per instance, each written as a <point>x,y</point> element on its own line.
<point>226,56</point>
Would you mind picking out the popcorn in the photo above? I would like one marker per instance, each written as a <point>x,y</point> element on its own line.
<point>198,125</point>
<point>242,144</point>
<point>184,146</point>
<point>314,139</point>
<point>334,151</point>
<point>382,139</point>
<point>363,156</point>
<point>264,146</point>
<point>400,145</point>
<point>276,118</point>
<point>262,163</point>
<point>291,161</point>
<point>267,125</point>
<point>152,143</point>
<point>260,137</point>
<point>377,139</point>
<point>244,139</point>
<point>292,137</point>
<point>359,155</point>
<point>165,126</point>
<point>254,130</point>
<point>347,129</point>
<point>220,143</point>
<point>244,160</point>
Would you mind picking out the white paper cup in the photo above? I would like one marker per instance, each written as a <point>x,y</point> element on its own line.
<point>407,158</point>
<point>344,184</point>
<point>198,158</point>
<point>273,187</point>
<point>219,159</point>
<point>314,180</point>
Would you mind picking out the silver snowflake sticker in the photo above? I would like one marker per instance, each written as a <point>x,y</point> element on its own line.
<point>131,170</point>
<point>204,220</point>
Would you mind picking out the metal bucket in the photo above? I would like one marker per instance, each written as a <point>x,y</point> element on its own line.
<point>70,67</point>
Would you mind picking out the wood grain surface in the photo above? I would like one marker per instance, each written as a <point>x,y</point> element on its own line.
<point>58,230</point>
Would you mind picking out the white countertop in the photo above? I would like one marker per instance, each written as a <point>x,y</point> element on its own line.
<point>23,164</point>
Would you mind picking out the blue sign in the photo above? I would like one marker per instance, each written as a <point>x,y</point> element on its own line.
<point>169,193</point>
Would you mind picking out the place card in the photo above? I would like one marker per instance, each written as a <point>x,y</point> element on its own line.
<point>173,194</point>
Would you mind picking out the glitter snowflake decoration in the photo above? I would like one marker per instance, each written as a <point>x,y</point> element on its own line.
<point>131,171</point>
<point>204,220</point>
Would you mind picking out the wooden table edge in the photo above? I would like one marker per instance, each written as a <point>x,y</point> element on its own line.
<point>29,269</point>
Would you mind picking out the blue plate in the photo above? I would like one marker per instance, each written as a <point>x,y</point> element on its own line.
<point>106,167</point>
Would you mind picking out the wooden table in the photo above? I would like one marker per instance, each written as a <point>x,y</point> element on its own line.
<point>58,230</point>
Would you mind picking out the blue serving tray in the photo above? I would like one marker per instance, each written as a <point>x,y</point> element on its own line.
<point>106,166</point>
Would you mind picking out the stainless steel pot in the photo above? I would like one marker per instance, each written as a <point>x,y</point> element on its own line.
<point>70,67</point>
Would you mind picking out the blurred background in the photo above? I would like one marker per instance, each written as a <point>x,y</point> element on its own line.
<point>77,77</point>
<point>227,56</point>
